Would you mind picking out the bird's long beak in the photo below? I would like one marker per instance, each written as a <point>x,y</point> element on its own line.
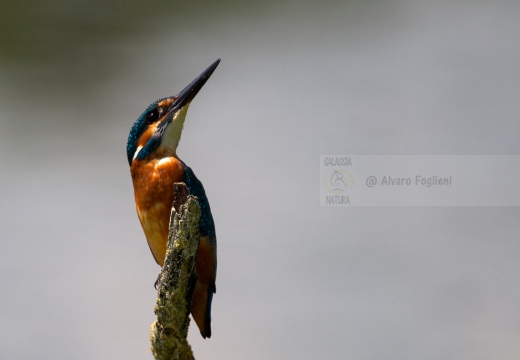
<point>188,93</point>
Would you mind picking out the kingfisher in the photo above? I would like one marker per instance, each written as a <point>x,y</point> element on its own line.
<point>155,167</point>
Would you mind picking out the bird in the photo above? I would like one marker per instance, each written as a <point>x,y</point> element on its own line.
<point>155,167</point>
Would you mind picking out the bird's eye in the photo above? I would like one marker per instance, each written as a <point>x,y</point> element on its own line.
<point>152,116</point>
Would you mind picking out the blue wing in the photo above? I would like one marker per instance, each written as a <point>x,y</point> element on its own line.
<point>206,258</point>
<point>207,226</point>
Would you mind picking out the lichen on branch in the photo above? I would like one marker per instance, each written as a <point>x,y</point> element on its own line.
<point>176,280</point>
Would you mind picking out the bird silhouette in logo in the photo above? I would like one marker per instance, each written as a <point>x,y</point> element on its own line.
<point>338,181</point>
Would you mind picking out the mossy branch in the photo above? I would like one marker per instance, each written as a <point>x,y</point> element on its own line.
<point>176,281</point>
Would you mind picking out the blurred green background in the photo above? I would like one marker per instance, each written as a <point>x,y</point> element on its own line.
<point>297,80</point>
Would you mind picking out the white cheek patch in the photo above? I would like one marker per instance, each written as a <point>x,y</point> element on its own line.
<point>137,152</point>
<point>173,132</point>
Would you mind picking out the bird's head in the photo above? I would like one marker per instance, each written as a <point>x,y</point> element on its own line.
<point>160,125</point>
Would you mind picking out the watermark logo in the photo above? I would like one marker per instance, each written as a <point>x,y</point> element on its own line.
<point>336,180</point>
<point>419,180</point>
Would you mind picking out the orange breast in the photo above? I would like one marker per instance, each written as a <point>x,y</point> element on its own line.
<point>153,181</point>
